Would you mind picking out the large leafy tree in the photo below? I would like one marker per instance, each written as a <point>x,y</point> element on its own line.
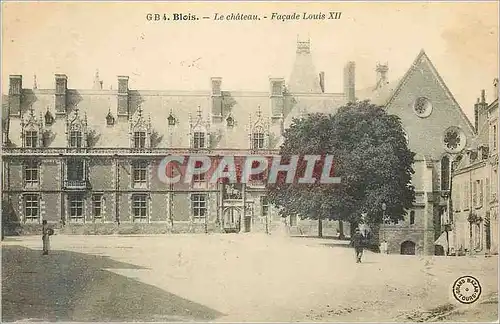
<point>370,155</point>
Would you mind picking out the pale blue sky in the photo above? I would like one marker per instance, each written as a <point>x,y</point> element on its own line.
<point>77,38</point>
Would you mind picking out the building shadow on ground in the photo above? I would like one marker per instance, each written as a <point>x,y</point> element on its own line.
<point>71,286</point>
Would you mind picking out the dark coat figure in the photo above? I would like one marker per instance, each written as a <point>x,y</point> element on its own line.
<point>46,232</point>
<point>357,241</point>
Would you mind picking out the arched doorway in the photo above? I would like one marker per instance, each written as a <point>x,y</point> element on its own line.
<point>408,248</point>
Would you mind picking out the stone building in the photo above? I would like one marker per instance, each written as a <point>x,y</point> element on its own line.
<point>87,159</point>
<point>437,130</point>
<point>473,227</point>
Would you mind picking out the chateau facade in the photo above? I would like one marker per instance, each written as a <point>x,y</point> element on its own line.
<point>87,159</point>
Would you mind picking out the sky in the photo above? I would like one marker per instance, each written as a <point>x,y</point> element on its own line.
<point>76,39</point>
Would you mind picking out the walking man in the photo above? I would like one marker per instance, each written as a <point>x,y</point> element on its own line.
<point>357,243</point>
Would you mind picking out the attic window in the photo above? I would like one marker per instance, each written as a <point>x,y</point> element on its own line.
<point>49,119</point>
<point>171,120</point>
<point>422,107</point>
<point>230,121</point>
<point>110,120</point>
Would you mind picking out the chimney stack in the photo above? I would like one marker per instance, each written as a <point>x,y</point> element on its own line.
<point>15,92</point>
<point>217,104</point>
<point>123,95</point>
<point>382,70</point>
<point>97,82</point>
<point>60,96</point>
<point>480,111</point>
<point>277,88</point>
<point>322,81</point>
<point>349,81</point>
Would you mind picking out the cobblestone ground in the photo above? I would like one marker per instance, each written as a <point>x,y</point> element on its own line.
<point>249,277</point>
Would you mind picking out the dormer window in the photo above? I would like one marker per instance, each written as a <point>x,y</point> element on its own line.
<point>31,139</point>
<point>77,130</point>
<point>199,140</point>
<point>140,130</point>
<point>171,120</point>
<point>75,139</point>
<point>49,119</point>
<point>230,121</point>
<point>110,120</point>
<point>199,132</point>
<point>139,139</point>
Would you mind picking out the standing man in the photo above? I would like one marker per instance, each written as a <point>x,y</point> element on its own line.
<point>383,247</point>
<point>46,232</point>
<point>357,242</point>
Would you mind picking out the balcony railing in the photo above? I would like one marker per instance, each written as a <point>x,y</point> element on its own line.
<point>76,184</point>
<point>110,151</point>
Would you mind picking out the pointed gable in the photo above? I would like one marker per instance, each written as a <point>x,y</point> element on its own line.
<point>304,78</point>
<point>431,116</point>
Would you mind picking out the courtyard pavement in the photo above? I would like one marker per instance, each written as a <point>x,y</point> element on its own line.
<point>232,277</point>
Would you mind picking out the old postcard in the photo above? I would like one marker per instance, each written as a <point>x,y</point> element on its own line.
<point>250,161</point>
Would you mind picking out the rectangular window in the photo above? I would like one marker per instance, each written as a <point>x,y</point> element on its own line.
<point>139,139</point>
<point>495,138</point>
<point>140,207</point>
<point>75,170</point>
<point>475,186</point>
<point>140,169</point>
<point>199,177</point>
<point>480,194</point>
<point>31,139</point>
<point>494,181</point>
<point>264,205</point>
<point>258,140</point>
<point>97,205</point>
<point>412,217</point>
<point>75,139</point>
<point>199,140</point>
<point>199,205</point>
<point>31,173</point>
<point>76,207</point>
<point>487,189</point>
<point>277,89</point>
<point>458,201</point>
<point>31,207</point>
<point>466,196</point>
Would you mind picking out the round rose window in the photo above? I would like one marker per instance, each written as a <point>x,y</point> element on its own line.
<point>454,139</point>
<point>422,107</point>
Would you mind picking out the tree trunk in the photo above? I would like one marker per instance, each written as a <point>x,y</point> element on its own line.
<point>320,227</point>
<point>341,230</point>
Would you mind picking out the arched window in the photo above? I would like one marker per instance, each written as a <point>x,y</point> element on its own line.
<point>445,173</point>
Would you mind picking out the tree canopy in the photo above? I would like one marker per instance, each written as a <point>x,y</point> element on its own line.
<point>371,156</point>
